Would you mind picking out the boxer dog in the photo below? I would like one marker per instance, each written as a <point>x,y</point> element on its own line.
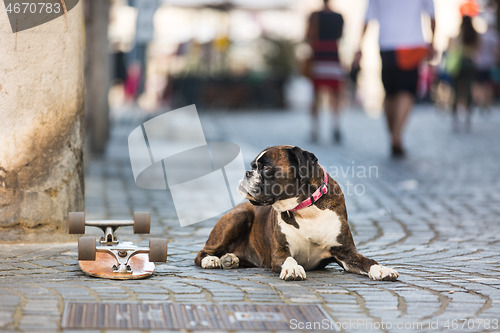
<point>295,220</point>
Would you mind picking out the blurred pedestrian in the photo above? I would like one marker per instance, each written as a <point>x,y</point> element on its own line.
<point>323,33</point>
<point>402,48</point>
<point>465,48</point>
<point>485,61</point>
<point>133,81</point>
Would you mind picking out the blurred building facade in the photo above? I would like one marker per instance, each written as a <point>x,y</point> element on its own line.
<point>237,53</point>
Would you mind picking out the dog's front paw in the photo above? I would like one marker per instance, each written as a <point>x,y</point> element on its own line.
<point>229,261</point>
<point>382,273</point>
<point>211,262</point>
<point>291,270</point>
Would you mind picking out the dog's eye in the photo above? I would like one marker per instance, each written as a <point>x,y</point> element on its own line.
<point>267,171</point>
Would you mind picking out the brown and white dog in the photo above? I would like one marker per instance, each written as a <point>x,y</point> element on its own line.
<point>296,220</point>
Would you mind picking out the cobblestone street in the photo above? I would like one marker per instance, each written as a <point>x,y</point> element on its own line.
<point>434,217</point>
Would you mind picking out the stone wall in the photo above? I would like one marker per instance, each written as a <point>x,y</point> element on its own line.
<point>41,127</point>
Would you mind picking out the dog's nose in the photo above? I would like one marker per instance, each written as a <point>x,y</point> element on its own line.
<point>249,174</point>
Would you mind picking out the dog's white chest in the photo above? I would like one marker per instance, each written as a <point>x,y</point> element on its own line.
<point>311,242</point>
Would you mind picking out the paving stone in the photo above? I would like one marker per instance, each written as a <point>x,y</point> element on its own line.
<point>433,217</point>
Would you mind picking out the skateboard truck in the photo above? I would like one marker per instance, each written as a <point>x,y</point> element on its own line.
<point>122,253</point>
<point>141,224</point>
<point>111,258</point>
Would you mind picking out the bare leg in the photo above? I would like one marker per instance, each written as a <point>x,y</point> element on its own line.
<point>483,95</point>
<point>390,112</point>
<point>468,105</point>
<point>335,101</point>
<point>488,97</point>
<point>404,104</point>
<point>397,110</point>
<point>315,116</point>
<point>454,113</point>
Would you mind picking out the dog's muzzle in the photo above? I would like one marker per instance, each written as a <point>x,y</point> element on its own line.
<point>251,192</point>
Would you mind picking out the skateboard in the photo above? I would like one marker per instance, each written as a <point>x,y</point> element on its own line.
<point>113,259</point>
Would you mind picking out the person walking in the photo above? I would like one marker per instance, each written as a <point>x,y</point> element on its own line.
<point>323,33</point>
<point>466,45</point>
<point>485,60</point>
<point>402,48</point>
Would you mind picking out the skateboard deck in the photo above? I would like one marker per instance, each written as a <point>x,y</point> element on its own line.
<point>102,267</point>
<point>111,258</point>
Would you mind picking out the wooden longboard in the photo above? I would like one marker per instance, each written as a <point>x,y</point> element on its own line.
<point>102,267</point>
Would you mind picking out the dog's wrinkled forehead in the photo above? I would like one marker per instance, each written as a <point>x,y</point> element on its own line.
<point>274,155</point>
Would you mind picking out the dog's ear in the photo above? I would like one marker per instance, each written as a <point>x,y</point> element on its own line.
<point>304,161</point>
<point>310,157</point>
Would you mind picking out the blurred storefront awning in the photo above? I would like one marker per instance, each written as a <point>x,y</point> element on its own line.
<point>232,4</point>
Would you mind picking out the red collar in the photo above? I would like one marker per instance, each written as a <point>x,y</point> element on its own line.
<point>316,195</point>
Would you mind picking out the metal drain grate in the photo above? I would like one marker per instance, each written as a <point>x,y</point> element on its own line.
<point>169,316</point>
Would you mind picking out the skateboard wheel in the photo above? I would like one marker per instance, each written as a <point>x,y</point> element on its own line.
<point>142,222</point>
<point>86,248</point>
<point>157,250</point>
<point>76,222</point>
